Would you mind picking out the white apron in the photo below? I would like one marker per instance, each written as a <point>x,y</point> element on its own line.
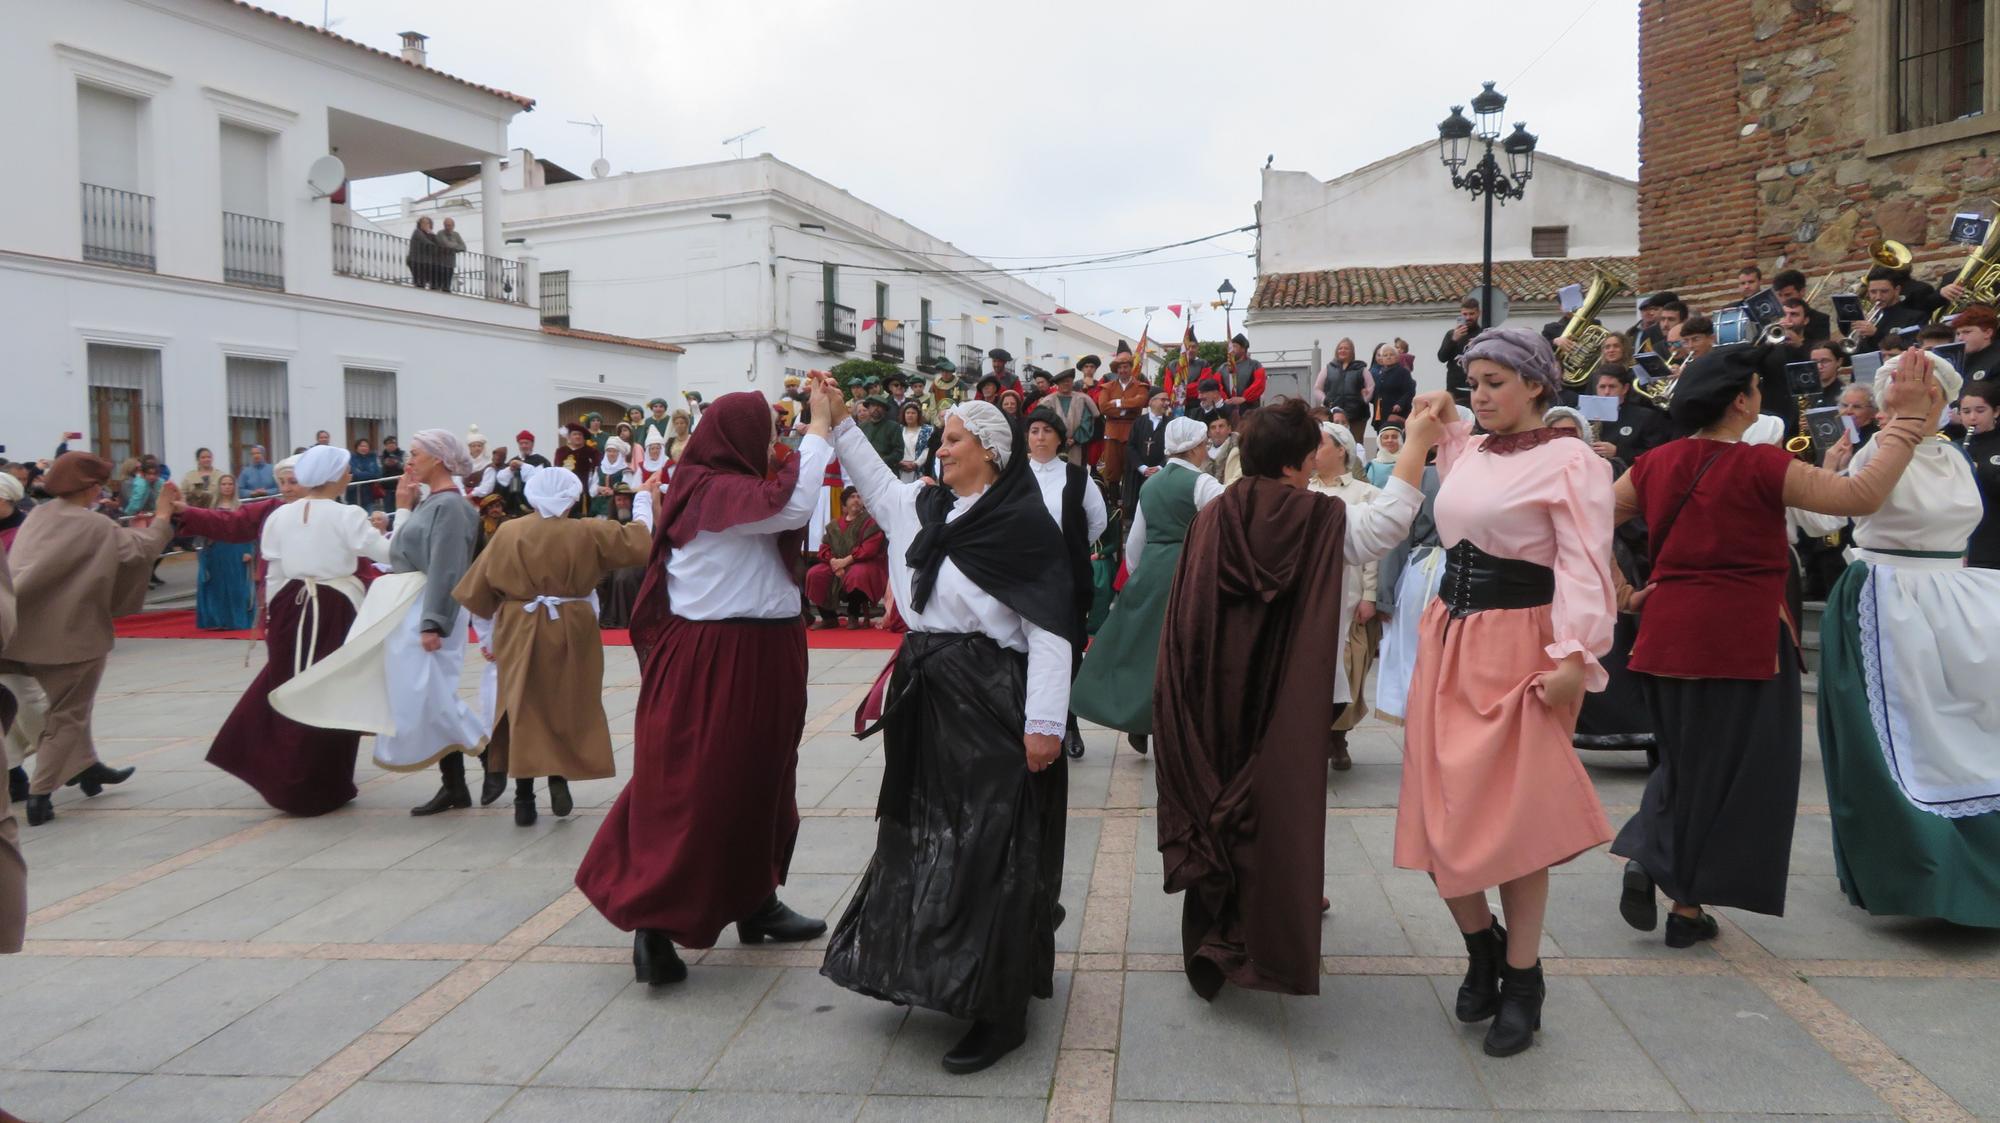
<point>1414,590</point>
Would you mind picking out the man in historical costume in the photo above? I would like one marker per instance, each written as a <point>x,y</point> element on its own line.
<point>1208,405</point>
<point>1146,445</point>
<point>1003,370</point>
<point>702,836</point>
<point>1115,686</point>
<point>884,432</point>
<point>1250,679</point>
<point>1243,378</point>
<point>577,455</point>
<point>397,674</point>
<point>657,421</point>
<point>1121,399</point>
<point>1076,411</point>
<point>74,570</point>
<point>853,569</point>
<point>536,584</point>
<point>944,394</point>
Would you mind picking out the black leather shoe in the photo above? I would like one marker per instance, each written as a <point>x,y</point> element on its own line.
<point>524,809</point>
<point>98,777</point>
<point>559,801</point>
<point>1687,931</point>
<point>1140,742</point>
<point>1061,914</point>
<point>40,810</point>
<point>492,787</point>
<point>450,795</point>
<point>1479,994</point>
<point>1636,903</point>
<point>1521,994</point>
<point>17,785</point>
<point>654,960</point>
<point>983,1045</point>
<point>774,921</point>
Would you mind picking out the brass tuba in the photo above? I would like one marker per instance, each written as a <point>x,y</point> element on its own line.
<point>1980,275</point>
<point>1580,361</point>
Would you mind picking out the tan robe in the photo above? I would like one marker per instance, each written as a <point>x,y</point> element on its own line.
<point>548,717</point>
<point>74,571</point>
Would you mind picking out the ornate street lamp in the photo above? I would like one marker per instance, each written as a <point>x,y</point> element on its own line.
<point>1486,180</point>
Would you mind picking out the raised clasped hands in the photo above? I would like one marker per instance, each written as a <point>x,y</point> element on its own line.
<point>1909,390</point>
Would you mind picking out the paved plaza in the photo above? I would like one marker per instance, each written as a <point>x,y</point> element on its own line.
<point>194,956</point>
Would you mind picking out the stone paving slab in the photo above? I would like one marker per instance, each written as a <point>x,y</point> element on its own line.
<point>199,957</point>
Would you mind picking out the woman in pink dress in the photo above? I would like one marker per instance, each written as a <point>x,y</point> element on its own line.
<point>1493,794</point>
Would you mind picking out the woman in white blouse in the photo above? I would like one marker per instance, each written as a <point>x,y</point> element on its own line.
<point>957,911</point>
<point>1334,475</point>
<point>312,546</point>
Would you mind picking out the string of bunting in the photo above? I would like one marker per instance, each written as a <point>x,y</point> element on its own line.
<point>1148,309</point>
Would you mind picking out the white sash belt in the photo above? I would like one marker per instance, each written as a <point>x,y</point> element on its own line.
<point>553,605</point>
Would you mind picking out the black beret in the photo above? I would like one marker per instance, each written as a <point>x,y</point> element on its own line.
<point>1710,382</point>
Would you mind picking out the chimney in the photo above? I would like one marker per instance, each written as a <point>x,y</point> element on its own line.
<point>413,48</point>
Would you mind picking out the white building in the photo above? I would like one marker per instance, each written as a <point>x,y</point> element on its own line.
<point>172,281</point>
<point>760,270</point>
<point>1389,250</point>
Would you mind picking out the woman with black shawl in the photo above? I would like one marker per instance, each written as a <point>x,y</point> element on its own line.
<point>957,910</point>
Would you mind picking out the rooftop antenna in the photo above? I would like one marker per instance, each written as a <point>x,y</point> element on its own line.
<point>600,167</point>
<point>739,138</point>
<point>326,20</point>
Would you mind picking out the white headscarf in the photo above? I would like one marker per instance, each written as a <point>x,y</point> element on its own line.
<point>10,488</point>
<point>288,464</point>
<point>615,451</point>
<point>1947,378</point>
<point>652,463</point>
<point>320,465</point>
<point>550,491</point>
<point>446,446</point>
<point>988,426</point>
<point>1766,430</point>
<point>1557,412</point>
<point>1183,433</point>
<point>1345,439</point>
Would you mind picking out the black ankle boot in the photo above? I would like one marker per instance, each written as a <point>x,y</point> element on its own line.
<point>1140,743</point>
<point>524,803</point>
<point>559,801</point>
<point>1479,994</point>
<point>492,787</point>
<point>17,785</point>
<point>774,921</point>
<point>1687,931</point>
<point>450,795</point>
<point>1521,993</point>
<point>654,959</point>
<point>98,777</point>
<point>1636,902</point>
<point>40,810</point>
<point>983,1045</point>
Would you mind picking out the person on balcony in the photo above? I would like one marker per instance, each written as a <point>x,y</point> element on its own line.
<point>450,244</point>
<point>423,256</point>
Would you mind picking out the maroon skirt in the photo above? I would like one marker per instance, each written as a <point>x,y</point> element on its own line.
<point>296,768</point>
<point>704,831</point>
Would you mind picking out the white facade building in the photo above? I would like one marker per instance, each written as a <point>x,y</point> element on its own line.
<point>1388,250</point>
<point>173,282</point>
<point>760,271</point>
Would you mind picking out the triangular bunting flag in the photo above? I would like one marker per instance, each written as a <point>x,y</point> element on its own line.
<point>1174,309</point>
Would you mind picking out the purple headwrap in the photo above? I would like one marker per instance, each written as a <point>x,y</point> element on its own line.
<point>1522,351</point>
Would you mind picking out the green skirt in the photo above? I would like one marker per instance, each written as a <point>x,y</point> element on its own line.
<point>1894,859</point>
<point>1115,686</point>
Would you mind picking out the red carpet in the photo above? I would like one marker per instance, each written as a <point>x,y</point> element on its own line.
<point>179,624</point>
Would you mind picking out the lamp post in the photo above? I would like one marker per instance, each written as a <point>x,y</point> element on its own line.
<point>1226,293</point>
<point>1486,180</point>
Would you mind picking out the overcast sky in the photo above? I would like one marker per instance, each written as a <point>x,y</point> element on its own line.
<point>1038,129</point>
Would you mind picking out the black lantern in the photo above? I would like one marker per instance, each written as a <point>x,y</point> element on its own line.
<point>1454,135</point>
<point>1226,293</point>
<point>1520,149</point>
<point>1488,104</point>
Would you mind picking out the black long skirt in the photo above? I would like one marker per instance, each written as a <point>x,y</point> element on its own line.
<point>956,911</point>
<point>1616,717</point>
<point>1715,825</point>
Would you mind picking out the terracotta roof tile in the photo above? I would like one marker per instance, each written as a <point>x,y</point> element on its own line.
<point>1532,281</point>
<point>523,102</point>
<point>607,337</point>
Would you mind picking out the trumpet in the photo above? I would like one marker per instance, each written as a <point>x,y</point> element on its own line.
<point>1773,335</point>
<point>1853,339</point>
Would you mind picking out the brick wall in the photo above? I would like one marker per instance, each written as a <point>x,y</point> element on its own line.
<point>1753,115</point>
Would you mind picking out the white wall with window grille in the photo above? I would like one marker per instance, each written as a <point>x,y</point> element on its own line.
<point>125,394</point>
<point>371,405</point>
<point>259,408</point>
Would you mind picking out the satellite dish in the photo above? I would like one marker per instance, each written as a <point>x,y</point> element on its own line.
<point>599,168</point>
<point>325,176</point>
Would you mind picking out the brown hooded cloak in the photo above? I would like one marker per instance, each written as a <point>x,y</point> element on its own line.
<point>1243,701</point>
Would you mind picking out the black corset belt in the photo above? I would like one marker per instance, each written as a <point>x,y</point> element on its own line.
<point>1475,581</point>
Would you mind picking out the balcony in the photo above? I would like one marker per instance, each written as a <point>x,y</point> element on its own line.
<point>117,227</point>
<point>373,255</point>
<point>930,348</point>
<point>970,360</point>
<point>253,251</point>
<point>836,327</point>
<point>889,342</point>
